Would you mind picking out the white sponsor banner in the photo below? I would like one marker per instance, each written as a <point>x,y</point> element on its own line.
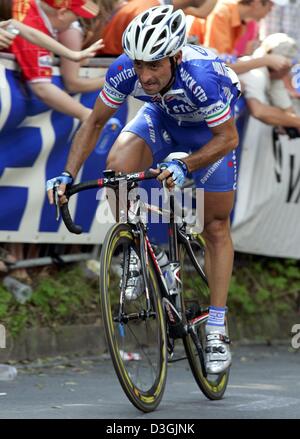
<point>267,214</point>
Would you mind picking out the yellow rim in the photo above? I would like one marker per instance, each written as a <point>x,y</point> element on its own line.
<point>110,327</point>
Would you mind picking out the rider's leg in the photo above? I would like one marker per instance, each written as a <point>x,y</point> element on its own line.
<point>130,153</point>
<point>218,266</point>
<point>219,248</point>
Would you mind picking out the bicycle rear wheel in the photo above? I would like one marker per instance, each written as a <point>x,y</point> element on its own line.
<point>137,343</point>
<point>195,284</point>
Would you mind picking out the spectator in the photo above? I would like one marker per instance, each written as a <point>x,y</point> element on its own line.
<point>113,31</point>
<point>94,28</point>
<point>267,98</point>
<point>196,20</point>
<point>41,39</point>
<point>228,21</point>
<point>49,17</point>
<point>283,19</point>
<point>249,41</point>
<point>74,38</point>
<point>201,11</point>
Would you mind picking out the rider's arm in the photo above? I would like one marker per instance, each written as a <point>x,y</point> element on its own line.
<point>84,143</point>
<point>225,138</point>
<point>272,115</point>
<point>87,136</point>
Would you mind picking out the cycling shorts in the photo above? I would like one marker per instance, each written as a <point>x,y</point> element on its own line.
<point>163,135</point>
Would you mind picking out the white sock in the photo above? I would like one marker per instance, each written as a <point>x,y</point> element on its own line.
<point>216,320</point>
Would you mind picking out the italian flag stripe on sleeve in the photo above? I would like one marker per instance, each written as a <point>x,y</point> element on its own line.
<point>113,100</point>
<point>219,117</point>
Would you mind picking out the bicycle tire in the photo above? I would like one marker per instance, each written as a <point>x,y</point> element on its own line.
<point>212,386</point>
<point>144,399</point>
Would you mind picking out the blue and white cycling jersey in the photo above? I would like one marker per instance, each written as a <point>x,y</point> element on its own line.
<point>201,93</point>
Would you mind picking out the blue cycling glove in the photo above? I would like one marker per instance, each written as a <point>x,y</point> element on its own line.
<point>178,170</point>
<point>64,178</point>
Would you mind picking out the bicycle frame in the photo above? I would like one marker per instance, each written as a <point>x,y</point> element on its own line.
<point>177,322</point>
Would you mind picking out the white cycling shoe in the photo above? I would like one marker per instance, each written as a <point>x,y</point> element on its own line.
<point>218,355</point>
<point>135,282</point>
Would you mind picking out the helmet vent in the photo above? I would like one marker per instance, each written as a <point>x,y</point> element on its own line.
<point>144,17</point>
<point>148,36</point>
<point>176,24</point>
<point>138,31</point>
<point>158,19</point>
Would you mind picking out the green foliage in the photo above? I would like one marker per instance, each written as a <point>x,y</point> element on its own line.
<point>263,286</point>
<point>62,297</point>
<point>262,289</point>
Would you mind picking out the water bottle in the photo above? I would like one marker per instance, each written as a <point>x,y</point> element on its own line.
<point>20,291</point>
<point>7,373</point>
<point>108,136</point>
<point>12,30</point>
<point>166,269</point>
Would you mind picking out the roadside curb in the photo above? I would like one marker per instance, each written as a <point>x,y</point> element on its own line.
<point>47,342</point>
<point>89,339</point>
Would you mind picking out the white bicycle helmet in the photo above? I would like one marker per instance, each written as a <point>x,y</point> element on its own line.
<point>155,34</point>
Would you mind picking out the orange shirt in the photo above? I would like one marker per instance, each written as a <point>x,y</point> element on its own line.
<point>224,27</point>
<point>196,28</point>
<point>113,31</point>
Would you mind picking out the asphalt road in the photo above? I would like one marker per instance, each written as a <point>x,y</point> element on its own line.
<point>264,384</point>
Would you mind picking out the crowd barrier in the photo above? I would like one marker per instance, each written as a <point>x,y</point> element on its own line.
<point>35,141</point>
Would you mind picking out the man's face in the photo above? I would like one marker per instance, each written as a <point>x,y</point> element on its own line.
<point>153,76</point>
<point>261,8</point>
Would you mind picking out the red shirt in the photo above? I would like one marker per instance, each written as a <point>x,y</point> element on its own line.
<point>34,61</point>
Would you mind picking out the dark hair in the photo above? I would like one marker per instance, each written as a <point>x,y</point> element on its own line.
<point>5,9</point>
<point>245,2</point>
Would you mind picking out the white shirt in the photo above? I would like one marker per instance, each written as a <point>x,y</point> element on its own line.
<point>258,85</point>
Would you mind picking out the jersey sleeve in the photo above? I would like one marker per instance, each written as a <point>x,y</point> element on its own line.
<point>214,101</point>
<point>217,113</point>
<point>119,82</point>
<point>211,88</point>
<point>111,97</point>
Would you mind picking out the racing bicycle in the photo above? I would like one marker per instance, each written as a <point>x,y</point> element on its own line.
<point>142,333</point>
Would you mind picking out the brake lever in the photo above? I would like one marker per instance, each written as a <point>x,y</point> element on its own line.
<point>56,201</point>
<point>165,188</point>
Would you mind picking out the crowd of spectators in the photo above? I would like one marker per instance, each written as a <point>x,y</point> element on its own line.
<point>259,39</point>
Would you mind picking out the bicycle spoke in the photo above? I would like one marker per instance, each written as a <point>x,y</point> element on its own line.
<point>136,336</point>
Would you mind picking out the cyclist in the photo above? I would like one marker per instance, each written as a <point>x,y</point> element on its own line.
<point>189,97</point>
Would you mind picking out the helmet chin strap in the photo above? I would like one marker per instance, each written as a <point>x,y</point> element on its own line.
<point>173,63</point>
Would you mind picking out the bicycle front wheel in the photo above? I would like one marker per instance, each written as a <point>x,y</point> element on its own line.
<point>135,334</point>
<point>195,287</point>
